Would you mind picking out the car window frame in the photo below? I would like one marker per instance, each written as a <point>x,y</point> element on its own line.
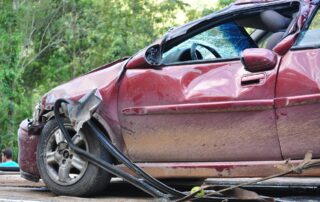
<point>242,30</point>
<point>306,27</point>
<point>215,22</point>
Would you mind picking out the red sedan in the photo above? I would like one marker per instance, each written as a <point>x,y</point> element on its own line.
<point>232,94</point>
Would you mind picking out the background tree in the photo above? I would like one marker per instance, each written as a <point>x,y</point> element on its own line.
<point>224,3</point>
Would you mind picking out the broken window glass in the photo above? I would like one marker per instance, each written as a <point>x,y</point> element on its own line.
<point>228,40</point>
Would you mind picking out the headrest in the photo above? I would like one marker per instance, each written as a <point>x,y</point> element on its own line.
<point>274,39</point>
<point>274,21</point>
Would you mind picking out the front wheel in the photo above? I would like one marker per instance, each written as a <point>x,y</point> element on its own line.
<point>63,171</point>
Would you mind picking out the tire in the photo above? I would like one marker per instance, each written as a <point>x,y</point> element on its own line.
<point>63,171</point>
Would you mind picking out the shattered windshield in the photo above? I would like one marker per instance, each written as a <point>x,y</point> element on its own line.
<point>224,41</point>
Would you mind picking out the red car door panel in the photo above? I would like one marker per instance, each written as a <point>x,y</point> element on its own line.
<point>206,109</point>
<point>298,103</point>
<point>298,94</point>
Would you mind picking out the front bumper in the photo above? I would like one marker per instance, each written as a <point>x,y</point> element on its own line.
<point>28,152</point>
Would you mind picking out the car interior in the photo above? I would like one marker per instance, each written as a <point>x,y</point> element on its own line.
<point>227,40</point>
<point>270,27</point>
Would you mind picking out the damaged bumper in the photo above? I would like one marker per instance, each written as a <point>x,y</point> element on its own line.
<point>28,142</point>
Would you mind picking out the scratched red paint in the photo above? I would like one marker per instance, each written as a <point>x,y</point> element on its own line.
<point>219,168</point>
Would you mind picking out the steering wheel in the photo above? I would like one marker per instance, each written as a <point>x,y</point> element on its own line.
<point>193,51</point>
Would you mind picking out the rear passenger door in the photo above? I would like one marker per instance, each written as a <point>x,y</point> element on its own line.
<point>298,94</point>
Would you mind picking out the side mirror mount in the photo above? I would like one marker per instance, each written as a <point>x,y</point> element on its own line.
<point>153,55</point>
<point>259,59</point>
<point>146,59</point>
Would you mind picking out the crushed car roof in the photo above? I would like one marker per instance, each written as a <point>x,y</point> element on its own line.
<point>253,1</point>
<point>266,1</point>
<point>237,6</point>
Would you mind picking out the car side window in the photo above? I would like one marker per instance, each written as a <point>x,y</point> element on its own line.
<point>310,37</point>
<point>224,41</point>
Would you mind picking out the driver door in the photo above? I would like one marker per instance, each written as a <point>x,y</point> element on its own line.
<point>201,106</point>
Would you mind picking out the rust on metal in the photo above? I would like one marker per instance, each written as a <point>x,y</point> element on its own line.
<point>223,170</point>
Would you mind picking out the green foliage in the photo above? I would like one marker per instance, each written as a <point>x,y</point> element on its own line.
<point>46,42</point>
<point>10,86</point>
<point>193,14</point>
<point>315,25</point>
<point>224,3</point>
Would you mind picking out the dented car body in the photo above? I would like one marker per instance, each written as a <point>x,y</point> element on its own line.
<point>232,94</point>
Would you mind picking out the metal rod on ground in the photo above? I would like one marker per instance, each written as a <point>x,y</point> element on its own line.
<point>298,169</point>
<point>307,163</point>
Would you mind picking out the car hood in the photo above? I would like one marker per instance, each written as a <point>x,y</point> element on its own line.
<point>98,78</point>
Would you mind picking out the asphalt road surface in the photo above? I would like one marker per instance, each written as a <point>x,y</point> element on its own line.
<point>15,189</point>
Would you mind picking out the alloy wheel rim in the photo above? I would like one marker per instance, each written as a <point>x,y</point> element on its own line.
<point>63,165</point>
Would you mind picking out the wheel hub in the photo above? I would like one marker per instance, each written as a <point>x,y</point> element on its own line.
<point>65,154</point>
<point>63,165</point>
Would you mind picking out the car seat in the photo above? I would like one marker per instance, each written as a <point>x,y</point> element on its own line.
<point>276,23</point>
